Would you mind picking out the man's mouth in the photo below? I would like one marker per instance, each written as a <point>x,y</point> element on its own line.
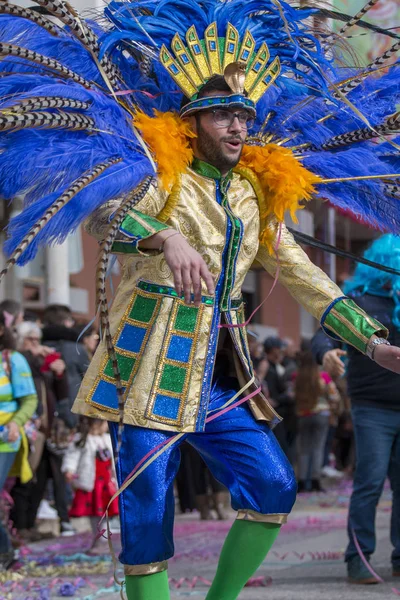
<point>233,144</point>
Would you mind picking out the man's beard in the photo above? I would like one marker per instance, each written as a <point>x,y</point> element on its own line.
<point>213,152</point>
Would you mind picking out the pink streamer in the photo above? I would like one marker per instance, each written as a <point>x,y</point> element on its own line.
<point>211,418</point>
<point>368,566</point>
<point>234,405</point>
<point>191,583</point>
<point>366,563</point>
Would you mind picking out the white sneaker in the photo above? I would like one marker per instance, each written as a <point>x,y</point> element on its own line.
<point>115,526</point>
<point>46,511</point>
<point>66,529</point>
<point>332,473</point>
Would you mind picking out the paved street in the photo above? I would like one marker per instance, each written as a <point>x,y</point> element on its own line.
<point>306,562</point>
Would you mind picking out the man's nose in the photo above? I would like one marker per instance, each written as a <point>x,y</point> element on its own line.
<point>235,126</point>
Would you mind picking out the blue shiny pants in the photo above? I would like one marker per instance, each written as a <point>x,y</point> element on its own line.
<point>241,453</point>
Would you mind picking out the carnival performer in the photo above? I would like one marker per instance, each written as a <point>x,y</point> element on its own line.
<point>188,197</point>
<point>374,394</point>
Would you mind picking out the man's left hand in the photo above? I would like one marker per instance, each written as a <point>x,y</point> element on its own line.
<point>388,357</point>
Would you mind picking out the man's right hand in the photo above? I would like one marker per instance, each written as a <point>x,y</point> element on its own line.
<point>187,265</point>
<point>332,364</point>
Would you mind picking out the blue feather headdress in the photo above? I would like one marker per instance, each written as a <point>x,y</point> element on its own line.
<point>69,93</point>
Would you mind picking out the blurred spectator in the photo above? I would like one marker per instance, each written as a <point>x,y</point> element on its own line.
<point>315,394</point>
<point>89,337</point>
<point>339,442</point>
<point>18,401</point>
<point>54,421</point>
<point>289,361</point>
<point>88,467</point>
<point>280,398</point>
<point>374,394</point>
<point>12,313</point>
<point>185,480</point>
<point>259,360</point>
<point>31,316</point>
<point>59,333</point>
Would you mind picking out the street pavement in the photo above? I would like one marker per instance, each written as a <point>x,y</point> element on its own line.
<point>306,562</point>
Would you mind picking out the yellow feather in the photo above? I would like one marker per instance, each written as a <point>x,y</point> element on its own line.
<point>280,182</point>
<point>168,137</point>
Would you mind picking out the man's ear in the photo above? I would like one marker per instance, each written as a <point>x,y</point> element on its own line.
<point>192,122</point>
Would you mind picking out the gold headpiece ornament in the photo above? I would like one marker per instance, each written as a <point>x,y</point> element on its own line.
<point>193,64</point>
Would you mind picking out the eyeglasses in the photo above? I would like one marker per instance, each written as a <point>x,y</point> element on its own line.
<point>225,118</point>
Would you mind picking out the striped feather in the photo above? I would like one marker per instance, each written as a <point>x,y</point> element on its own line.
<point>26,13</point>
<point>390,126</point>
<point>81,30</point>
<point>45,120</point>
<point>393,190</point>
<point>40,59</point>
<point>101,296</point>
<point>39,103</point>
<point>353,20</point>
<point>75,188</point>
<point>375,64</point>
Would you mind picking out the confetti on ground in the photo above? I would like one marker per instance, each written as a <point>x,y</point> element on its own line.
<point>46,571</point>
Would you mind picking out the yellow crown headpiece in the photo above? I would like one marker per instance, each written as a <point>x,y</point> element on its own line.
<point>192,64</point>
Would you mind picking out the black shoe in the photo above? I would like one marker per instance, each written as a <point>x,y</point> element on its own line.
<point>316,486</point>
<point>301,486</point>
<point>7,560</point>
<point>358,573</point>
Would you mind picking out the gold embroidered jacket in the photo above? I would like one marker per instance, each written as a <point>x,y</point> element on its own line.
<point>166,349</point>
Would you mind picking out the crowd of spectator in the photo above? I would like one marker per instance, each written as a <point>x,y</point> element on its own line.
<point>44,359</point>
<point>316,432</point>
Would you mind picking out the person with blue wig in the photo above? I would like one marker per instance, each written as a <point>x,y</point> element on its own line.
<point>375,400</point>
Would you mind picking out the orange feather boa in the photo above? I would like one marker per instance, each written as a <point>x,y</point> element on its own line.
<point>168,137</point>
<point>278,177</point>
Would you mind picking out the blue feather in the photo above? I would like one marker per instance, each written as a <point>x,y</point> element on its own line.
<point>66,49</point>
<point>42,164</point>
<point>115,182</point>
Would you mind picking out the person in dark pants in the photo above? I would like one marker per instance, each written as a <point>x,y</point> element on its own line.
<point>375,400</point>
<point>281,400</point>
<point>49,375</point>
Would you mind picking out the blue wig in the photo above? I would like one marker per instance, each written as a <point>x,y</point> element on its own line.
<point>367,280</point>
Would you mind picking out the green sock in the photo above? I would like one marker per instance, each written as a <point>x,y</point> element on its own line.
<point>246,546</point>
<point>147,587</point>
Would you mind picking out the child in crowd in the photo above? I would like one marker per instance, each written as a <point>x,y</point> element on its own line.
<point>88,466</point>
